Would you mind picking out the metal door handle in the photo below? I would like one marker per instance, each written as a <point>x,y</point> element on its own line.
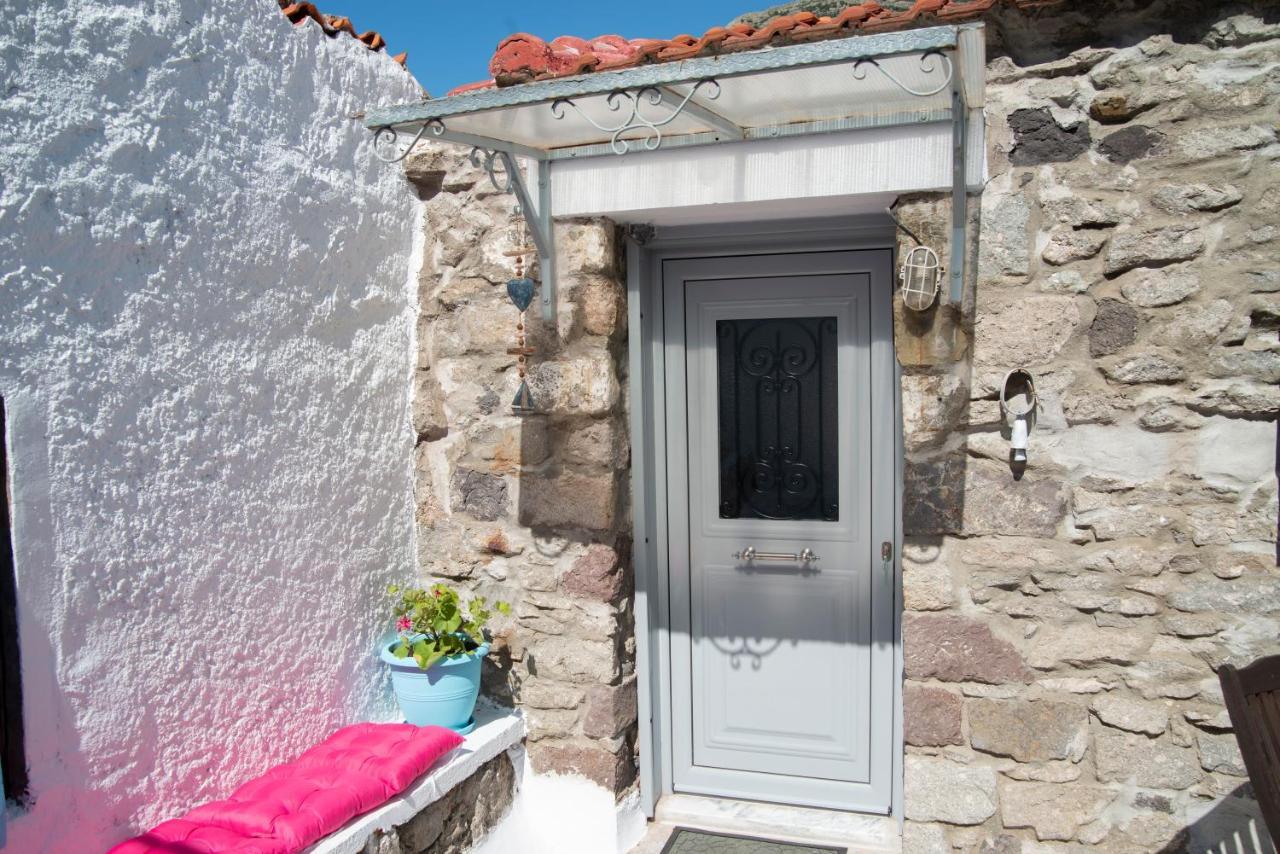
<point>750,554</point>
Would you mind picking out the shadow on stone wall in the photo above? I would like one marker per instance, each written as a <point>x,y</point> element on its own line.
<point>1233,825</point>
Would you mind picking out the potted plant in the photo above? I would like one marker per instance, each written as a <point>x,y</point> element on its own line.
<point>435,657</point>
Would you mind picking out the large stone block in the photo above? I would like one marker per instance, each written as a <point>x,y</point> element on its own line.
<point>611,709</point>
<point>597,574</point>
<point>932,408</point>
<point>526,444</point>
<point>1224,523</point>
<point>1112,516</point>
<point>1145,368</point>
<point>1053,811</point>
<point>1234,453</point>
<point>482,495</point>
<point>1065,206</point>
<point>941,790</point>
<point>1125,453</point>
<point>1262,365</point>
<point>933,337</point>
<point>1114,327</point>
<point>1249,594</point>
<point>1210,142</point>
<point>1039,138</point>
<point>1238,399</point>
<point>600,442</point>
<point>603,305</point>
<point>1221,753</point>
<point>1132,143</point>
<point>550,723</point>
<point>1024,331</point>
<point>576,386</point>
<point>1004,247</point>
<point>1194,327</point>
<point>1188,198</point>
<point>926,578</point>
<point>610,770</point>
<point>931,716</point>
<point>1152,247</point>
<point>571,659</point>
<point>1146,762</point>
<point>933,491</point>
<point>995,503</point>
<point>1084,645</point>
<point>1153,288</point>
<point>587,247</point>
<point>429,420</point>
<point>1131,715</point>
<point>568,500</point>
<point>1029,731</point>
<point>1069,244</point>
<point>920,838</point>
<point>953,648</point>
<point>543,693</point>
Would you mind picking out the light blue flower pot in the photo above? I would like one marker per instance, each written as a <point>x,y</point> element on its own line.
<point>444,695</point>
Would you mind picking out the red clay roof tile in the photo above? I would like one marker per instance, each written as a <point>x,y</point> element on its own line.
<point>334,24</point>
<point>522,58</point>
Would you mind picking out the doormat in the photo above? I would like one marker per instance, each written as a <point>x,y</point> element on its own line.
<point>685,840</point>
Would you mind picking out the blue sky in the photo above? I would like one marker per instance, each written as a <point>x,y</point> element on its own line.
<point>451,43</point>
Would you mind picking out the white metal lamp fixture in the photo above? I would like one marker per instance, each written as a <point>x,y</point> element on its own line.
<point>920,278</point>
<point>1018,407</point>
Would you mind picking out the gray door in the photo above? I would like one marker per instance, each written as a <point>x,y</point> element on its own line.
<point>779,470</point>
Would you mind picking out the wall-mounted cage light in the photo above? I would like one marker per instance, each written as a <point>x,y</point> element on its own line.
<point>921,277</point>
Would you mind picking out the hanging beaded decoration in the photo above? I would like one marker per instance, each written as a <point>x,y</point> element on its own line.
<point>520,289</point>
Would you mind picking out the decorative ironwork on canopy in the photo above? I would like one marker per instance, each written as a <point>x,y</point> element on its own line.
<point>889,79</point>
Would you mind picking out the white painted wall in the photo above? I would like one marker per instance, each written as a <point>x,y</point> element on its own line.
<point>565,814</point>
<point>206,325</point>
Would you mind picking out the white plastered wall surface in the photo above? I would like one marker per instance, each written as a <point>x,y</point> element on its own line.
<point>206,327</point>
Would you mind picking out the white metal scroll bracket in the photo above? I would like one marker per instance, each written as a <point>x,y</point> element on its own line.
<point>510,179</point>
<point>500,164</point>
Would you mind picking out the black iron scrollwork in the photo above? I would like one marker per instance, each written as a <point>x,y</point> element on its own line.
<point>778,418</point>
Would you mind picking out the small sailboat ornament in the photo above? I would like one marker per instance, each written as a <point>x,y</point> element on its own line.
<point>520,291</point>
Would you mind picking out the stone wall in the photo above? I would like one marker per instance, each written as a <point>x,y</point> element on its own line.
<point>457,821</point>
<point>1064,623</point>
<point>530,510</point>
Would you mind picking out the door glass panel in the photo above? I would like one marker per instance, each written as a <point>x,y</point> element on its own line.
<point>776,381</point>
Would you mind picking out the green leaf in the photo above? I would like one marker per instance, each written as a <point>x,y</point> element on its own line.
<point>503,607</point>
<point>400,651</point>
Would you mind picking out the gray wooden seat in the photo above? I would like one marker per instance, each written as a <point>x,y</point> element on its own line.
<point>1252,694</point>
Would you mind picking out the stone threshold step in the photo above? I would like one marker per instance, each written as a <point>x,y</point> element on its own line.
<point>859,832</point>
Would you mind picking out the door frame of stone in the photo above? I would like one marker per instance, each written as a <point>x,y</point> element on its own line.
<point>646,251</point>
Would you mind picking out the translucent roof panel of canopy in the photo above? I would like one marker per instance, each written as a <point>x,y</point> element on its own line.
<point>863,81</point>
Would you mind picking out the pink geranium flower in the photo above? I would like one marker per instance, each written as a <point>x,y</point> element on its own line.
<point>404,624</point>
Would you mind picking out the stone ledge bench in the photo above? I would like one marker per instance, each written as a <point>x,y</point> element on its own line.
<point>451,808</point>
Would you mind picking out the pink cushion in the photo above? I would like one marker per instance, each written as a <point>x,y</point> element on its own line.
<point>291,806</point>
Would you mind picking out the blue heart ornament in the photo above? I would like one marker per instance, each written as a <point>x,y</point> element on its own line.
<point>521,292</point>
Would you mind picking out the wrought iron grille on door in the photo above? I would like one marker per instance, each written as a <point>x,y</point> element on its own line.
<point>777,418</point>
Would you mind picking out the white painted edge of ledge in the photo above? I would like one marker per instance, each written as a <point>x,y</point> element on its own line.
<point>497,729</point>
